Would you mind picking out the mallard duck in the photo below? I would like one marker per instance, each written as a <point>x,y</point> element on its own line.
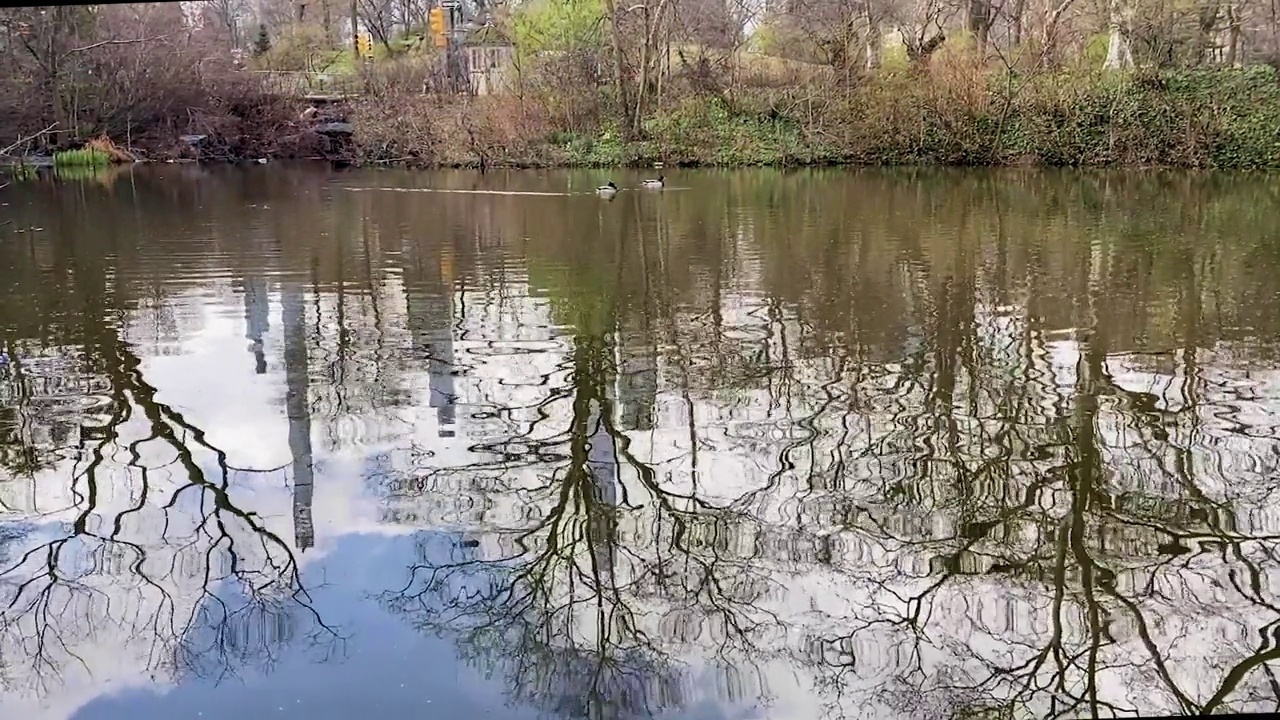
<point>654,183</point>
<point>608,190</point>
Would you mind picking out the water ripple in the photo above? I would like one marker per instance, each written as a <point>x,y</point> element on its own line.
<point>748,448</point>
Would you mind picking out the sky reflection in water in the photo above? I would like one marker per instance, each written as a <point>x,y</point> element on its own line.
<point>783,445</point>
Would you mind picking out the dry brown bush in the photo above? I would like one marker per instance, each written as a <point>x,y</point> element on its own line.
<point>566,85</point>
<point>135,73</point>
<point>115,153</point>
<point>453,130</point>
<point>414,74</point>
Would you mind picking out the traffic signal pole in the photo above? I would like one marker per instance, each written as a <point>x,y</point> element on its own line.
<point>444,25</point>
<point>436,24</point>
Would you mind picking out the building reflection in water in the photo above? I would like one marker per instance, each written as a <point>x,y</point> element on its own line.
<point>257,310</point>
<point>430,298</point>
<point>299,413</point>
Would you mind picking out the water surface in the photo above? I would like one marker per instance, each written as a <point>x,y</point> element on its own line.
<point>283,442</point>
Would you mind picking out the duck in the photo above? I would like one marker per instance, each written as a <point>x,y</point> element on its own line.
<point>658,183</point>
<point>608,190</point>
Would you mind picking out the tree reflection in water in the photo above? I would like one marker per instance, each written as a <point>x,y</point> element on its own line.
<point>998,519</point>
<point>221,591</point>
<point>148,556</point>
<point>552,605</point>
<point>937,444</point>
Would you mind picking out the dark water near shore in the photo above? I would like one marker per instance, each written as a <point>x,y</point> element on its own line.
<point>282,442</point>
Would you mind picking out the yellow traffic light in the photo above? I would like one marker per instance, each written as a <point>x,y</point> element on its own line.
<point>437,21</point>
<point>364,43</point>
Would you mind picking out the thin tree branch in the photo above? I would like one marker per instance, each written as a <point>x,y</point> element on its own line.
<point>101,43</point>
<point>25,140</point>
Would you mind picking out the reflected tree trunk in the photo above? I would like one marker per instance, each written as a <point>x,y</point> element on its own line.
<point>593,452</point>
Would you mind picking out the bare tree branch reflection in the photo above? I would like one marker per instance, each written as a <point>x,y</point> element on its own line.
<point>1109,612</point>
<point>197,591</point>
<point>553,615</point>
<point>579,607</point>
<point>933,444</point>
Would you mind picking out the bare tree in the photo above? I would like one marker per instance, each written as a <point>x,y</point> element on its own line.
<point>847,33</point>
<point>923,25</point>
<point>379,16</point>
<point>230,17</point>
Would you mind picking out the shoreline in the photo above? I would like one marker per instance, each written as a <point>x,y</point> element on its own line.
<point>1225,120</point>
<point>9,165</point>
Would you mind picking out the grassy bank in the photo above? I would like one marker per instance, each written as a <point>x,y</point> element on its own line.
<point>945,115</point>
<point>1213,118</point>
<point>590,86</point>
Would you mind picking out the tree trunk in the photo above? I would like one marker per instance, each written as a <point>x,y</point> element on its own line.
<point>1233,36</point>
<point>62,28</point>
<point>642,85</point>
<point>1049,34</point>
<point>920,50</point>
<point>875,40</point>
<point>355,32</point>
<point>650,59</point>
<point>978,19</point>
<point>1119,54</point>
<point>1016,22</point>
<point>619,68</point>
<point>1207,50</point>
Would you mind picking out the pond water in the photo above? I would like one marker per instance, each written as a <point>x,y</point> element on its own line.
<point>288,442</point>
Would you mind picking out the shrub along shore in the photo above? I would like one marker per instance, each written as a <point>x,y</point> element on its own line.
<point>954,110</point>
<point>591,83</point>
<point>1214,118</point>
<point>1223,119</point>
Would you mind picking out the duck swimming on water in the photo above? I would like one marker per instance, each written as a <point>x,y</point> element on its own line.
<point>654,183</point>
<point>607,190</point>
